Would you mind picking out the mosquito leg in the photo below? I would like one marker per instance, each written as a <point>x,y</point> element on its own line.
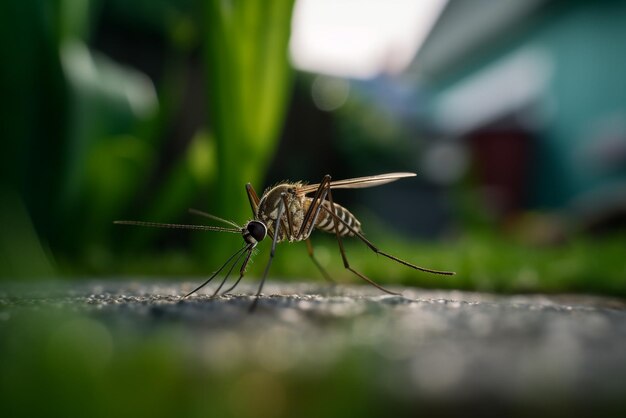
<point>242,271</point>
<point>253,198</point>
<point>320,195</point>
<point>227,291</point>
<point>285,226</point>
<point>281,208</point>
<point>288,214</point>
<point>377,251</point>
<point>230,270</point>
<point>346,264</point>
<point>311,227</point>
<point>214,274</point>
<point>309,248</point>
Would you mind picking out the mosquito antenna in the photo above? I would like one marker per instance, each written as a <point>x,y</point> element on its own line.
<point>180,226</point>
<point>217,272</point>
<point>215,218</point>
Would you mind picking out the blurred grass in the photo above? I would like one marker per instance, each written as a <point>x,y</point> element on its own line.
<point>87,139</point>
<point>248,80</point>
<point>483,262</point>
<point>61,364</point>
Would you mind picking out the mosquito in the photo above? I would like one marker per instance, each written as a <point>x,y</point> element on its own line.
<point>290,212</point>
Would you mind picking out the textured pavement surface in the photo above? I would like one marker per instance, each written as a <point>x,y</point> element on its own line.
<point>564,351</point>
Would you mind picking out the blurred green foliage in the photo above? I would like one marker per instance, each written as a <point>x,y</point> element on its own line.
<point>84,137</point>
<point>248,79</point>
<point>79,366</point>
<point>483,261</point>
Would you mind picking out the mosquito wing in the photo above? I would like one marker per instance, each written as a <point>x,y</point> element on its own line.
<point>359,182</point>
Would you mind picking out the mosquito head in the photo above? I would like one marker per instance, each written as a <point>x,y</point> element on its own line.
<point>254,232</point>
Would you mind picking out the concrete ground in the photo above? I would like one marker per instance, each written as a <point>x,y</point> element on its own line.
<point>565,353</point>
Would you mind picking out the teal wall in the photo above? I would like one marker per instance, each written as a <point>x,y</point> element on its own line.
<point>588,44</point>
<point>586,96</point>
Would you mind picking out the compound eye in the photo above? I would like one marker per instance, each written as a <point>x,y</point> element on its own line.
<point>257,229</point>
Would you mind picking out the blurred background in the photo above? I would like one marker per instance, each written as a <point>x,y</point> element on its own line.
<point>512,114</point>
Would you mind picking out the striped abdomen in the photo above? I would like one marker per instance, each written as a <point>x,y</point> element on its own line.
<point>326,222</point>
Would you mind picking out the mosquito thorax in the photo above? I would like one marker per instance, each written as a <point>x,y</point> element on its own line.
<point>254,232</point>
